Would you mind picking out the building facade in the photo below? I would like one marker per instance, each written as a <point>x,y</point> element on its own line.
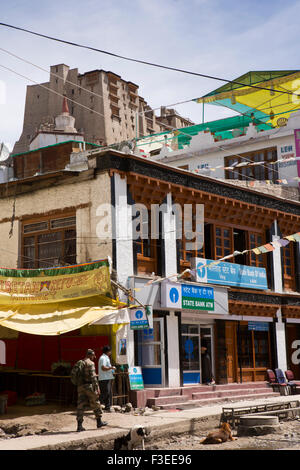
<point>95,204</point>
<point>265,159</point>
<point>107,108</point>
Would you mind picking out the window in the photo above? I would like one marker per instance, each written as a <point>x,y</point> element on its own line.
<point>145,246</point>
<point>255,240</point>
<point>259,172</point>
<point>222,241</point>
<point>187,240</point>
<point>49,242</point>
<point>288,267</point>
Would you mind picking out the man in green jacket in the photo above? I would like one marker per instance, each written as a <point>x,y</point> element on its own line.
<point>88,392</point>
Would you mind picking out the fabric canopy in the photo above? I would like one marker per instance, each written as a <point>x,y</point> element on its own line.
<point>58,300</point>
<point>121,317</point>
<point>57,318</point>
<point>264,104</point>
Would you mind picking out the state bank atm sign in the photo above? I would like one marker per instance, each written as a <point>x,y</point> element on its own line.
<point>187,296</point>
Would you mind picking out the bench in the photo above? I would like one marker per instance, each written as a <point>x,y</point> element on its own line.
<point>232,414</point>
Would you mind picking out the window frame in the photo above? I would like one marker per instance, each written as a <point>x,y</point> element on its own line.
<point>35,263</point>
<point>255,172</point>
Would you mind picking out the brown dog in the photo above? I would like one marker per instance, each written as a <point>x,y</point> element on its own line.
<point>222,435</point>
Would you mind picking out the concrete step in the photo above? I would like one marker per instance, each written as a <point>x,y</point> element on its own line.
<point>216,400</point>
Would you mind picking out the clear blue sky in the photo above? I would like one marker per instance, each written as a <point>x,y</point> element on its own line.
<point>222,38</point>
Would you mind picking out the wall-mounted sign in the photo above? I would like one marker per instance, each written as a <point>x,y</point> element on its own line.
<point>187,296</point>
<point>135,378</point>
<point>230,274</point>
<point>138,319</point>
<point>258,326</point>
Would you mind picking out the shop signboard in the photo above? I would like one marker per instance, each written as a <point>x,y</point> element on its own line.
<point>138,318</point>
<point>230,274</point>
<point>136,378</point>
<point>187,296</point>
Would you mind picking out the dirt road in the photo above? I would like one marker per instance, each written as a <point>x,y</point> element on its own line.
<point>46,421</point>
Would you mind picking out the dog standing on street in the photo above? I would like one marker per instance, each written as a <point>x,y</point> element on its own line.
<point>133,439</point>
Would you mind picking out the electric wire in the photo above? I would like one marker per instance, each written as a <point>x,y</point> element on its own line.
<point>92,110</point>
<point>175,69</point>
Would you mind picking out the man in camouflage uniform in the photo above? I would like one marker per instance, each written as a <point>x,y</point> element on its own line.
<point>88,392</point>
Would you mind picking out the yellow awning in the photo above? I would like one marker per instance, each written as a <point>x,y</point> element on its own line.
<point>57,300</point>
<point>57,318</point>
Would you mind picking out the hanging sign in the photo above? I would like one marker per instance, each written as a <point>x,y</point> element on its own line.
<point>135,378</point>
<point>187,296</point>
<point>138,319</point>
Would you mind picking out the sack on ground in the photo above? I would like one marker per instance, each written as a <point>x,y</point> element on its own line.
<point>77,373</point>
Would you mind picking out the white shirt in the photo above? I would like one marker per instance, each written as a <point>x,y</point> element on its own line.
<point>104,374</point>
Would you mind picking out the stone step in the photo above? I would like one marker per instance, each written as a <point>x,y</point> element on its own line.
<point>190,389</point>
<point>159,401</point>
<point>216,401</point>
<point>228,393</point>
<point>239,386</point>
<point>163,392</point>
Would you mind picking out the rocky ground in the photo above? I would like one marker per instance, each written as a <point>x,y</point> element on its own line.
<point>287,438</point>
<point>38,420</point>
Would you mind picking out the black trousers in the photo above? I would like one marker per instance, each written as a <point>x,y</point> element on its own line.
<point>106,393</point>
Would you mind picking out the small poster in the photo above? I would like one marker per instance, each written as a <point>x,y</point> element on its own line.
<point>122,347</point>
<point>136,378</point>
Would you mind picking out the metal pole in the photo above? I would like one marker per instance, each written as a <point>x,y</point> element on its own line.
<point>239,352</point>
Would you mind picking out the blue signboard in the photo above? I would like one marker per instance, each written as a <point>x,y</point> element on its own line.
<point>231,274</point>
<point>136,378</point>
<point>258,326</point>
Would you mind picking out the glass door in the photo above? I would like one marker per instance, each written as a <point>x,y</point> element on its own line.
<point>197,353</point>
<point>190,350</point>
<point>151,352</point>
<point>207,354</point>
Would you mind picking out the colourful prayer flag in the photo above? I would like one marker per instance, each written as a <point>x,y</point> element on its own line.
<point>283,242</point>
<point>269,247</point>
<point>290,237</point>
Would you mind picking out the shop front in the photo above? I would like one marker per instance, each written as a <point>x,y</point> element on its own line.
<point>249,349</point>
<point>183,324</point>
